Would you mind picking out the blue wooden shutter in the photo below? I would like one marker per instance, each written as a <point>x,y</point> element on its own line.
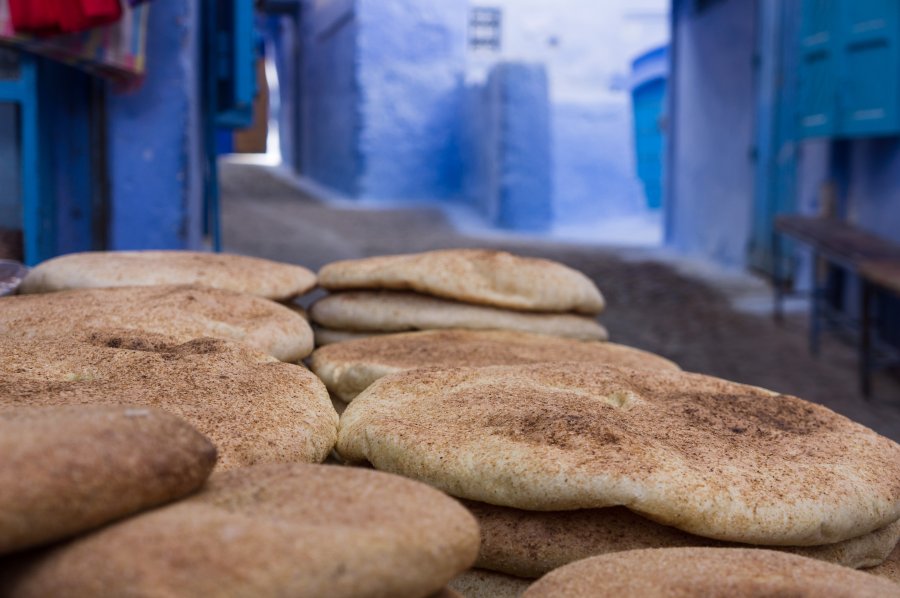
<point>869,90</point>
<point>235,62</point>
<point>818,69</point>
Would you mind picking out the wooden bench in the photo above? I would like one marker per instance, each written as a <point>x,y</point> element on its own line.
<point>874,260</point>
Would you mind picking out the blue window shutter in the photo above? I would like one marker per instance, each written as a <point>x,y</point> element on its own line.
<point>818,69</point>
<point>235,49</point>
<point>869,91</point>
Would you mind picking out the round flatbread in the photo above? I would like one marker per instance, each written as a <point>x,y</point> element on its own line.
<point>481,583</point>
<point>66,470</point>
<point>283,530</point>
<point>890,568</point>
<point>253,407</point>
<point>182,312</point>
<point>714,458</point>
<point>254,276</point>
<point>480,276</point>
<point>390,311</point>
<point>731,572</point>
<point>531,543</point>
<point>350,367</point>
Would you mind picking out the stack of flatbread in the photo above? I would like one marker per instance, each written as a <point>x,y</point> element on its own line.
<point>67,470</point>
<point>154,441</point>
<point>349,367</point>
<point>113,501</point>
<point>274,530</point>
<point>671,572</point>
<point>253,407</point>
<point>182,294</point>
<point>103,269</point>
<point>563,461</point>
<point>456,288</point>
<point>195,334</point>
<point>126,378</point>
<point>183,312</point>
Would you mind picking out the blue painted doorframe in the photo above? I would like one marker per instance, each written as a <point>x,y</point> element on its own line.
<point>775,152</point>
<point>37,227</point>
<point>228,88</point>
<point>57,193</point>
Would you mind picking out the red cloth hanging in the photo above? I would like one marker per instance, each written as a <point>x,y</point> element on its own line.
<point>85,14</point>
<point>46,17</point>
<point>39,17</point>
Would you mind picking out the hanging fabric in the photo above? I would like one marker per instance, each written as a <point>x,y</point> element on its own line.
<point>37,17</point>
<point>80,15</point>
<point>53,17</point>
<point>116,50</point>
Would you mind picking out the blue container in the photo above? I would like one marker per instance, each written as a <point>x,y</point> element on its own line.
<point>649,72</point>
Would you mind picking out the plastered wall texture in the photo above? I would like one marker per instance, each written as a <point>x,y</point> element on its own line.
<point>711,169</point>
<point>389,116</point>
<point>154,140</point>
<point>331,104</point>
<point>594,172</point>
<point>411,61</point>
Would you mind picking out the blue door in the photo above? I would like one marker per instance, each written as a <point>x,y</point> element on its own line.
<point>818,61</point>
<point>869,92</point>
<point>649,101</point>
<point>849,68</point>
<point>649,72</point>
<point>776,123</point>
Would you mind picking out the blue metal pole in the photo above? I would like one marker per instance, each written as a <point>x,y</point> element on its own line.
<point>210,109</point>
<point>34,224</point>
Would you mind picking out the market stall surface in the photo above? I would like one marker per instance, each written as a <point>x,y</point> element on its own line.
<point>653,303</point>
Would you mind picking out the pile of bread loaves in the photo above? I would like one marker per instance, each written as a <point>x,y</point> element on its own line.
<point>161,435</point>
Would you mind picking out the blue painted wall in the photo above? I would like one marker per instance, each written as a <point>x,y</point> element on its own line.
<point>154,141</point>
<point>331,105</point>
<point>411,60</point>
<point>813,158</point>
<point>873,200</point>
<point>710,200</point>
<point>508,162</point>
<point>66,155</point>
<point>381,96</point>
<point>479,140</point>
<point>524,185</point>
<point>594,171</point>
<point>283,46</point>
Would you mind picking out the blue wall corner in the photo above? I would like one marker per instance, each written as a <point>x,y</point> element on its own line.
<point>381,96</point>
<point>330,109</point>
<point>712,171</point>
<point>412,60</point>
<point>154,140</point>
<point>594,171</point>
<point>67,154</point>
<point>521,187</point>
